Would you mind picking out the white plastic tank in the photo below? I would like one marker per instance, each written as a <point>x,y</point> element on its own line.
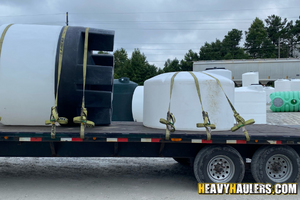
<point>220,71</point>
<point>137,104</point>
<point>268,91</point>
<point>295,85</point>
<point>250,103</point>
<point>185,103</point>
<point>27,63</point>
<point>250,78</point>
<point>29,68</point>
<point>282,85</point>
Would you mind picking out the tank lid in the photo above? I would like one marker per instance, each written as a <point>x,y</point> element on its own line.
<point>211,68</point>
<point>124,80</point>
<point>251,72</point>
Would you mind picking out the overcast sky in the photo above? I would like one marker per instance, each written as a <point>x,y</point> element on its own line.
<point>161,29</point>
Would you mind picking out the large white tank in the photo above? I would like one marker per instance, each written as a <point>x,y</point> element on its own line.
<point>220,71</point>
<point>137,104</point>
<point>29,70</point>
<point>282,85</point>
<point>27,73</point>
<point>295,85</point>
<point>250,78</point>
<point>185,103</point>
<point>250,103</point>
<point>268,91</point>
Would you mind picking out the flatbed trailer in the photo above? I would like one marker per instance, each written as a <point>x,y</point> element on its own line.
<point>273,150</point>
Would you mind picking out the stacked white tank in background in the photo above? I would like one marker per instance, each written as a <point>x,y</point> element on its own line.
<point>27,67</point>
<point>137,104</point>
<point>250,78</point>
<point>250,103</point>
<point>295,85</point>
<point>268,91</point>
<point>185,103</point>
<point>282,85</point>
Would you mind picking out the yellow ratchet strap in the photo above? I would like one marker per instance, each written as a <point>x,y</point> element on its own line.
<point>206,122</point>
<point>2,39</point>
<point>240,120</point>
<point>54,114</point>
<point>82,119</point>
<point>170,121</point>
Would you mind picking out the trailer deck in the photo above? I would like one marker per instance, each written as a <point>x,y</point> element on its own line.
<point>136,130</point>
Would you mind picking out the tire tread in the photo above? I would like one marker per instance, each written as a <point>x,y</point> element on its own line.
<point>208,150</point>
<point>258,164</point>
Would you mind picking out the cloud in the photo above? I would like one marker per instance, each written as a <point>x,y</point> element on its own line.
<point>162,29</point>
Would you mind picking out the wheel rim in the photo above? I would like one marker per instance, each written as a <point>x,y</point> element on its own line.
<point>279,168</point>
<point>220,169</point>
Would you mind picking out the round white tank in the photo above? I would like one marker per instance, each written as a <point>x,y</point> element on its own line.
<point>223,72</point>
<point>268,91</point>
<point>250,78</point>
<point>27,66</point>
<point>185,103</point>
<point>250,103</point>
<point>137,104</point>
<point>282,85</point>
<point>295,85</point>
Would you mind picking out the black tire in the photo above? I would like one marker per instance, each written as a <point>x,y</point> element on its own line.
<point>183,161</point>
<point>219,164</point>
<point>275,164</point>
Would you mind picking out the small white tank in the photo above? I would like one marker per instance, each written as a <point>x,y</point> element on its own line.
<point>295,85</point>
<point>185,103</point>
<point>250,103</point>
<point>137,104</point>
<point>268,91</point>
<point>250,78</point>
<point>282,85</point>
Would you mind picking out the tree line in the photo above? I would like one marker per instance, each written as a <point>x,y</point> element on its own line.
<point>275,38</point>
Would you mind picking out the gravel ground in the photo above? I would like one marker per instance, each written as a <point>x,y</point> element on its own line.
<point>111,178</point>
<point>282,118</point>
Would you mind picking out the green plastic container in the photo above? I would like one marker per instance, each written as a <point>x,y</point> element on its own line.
<point>287,101</point>
<point>122,99</point>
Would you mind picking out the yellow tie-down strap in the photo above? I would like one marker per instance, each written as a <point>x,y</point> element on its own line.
<point>170,121</point>
<point>206,122</point>
<point>207,125</point>
<point>240,120</point>
<point>82,119</point>
<point>2,39</point>
<point>241,124</point>
<point>54,117</point>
